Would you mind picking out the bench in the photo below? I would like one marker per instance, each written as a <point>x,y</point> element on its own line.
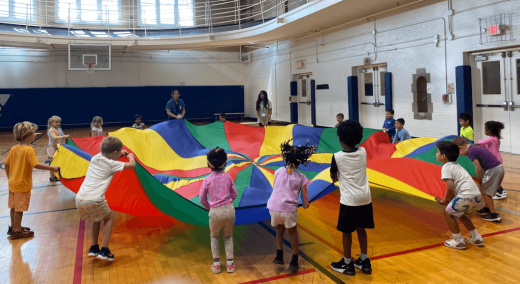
<point>230,113</point>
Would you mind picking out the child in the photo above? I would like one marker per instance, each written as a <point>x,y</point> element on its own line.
<point>97,126</point>
<point>217,194</point>
<point>355,214</point>
<point>389,124</point>
<point>18,167</point>
<point>90,199</point>
<point>492,143</point>
<point>339,118</point>
<point>465,129</point>
<point>283,203</point>
<point>138,122</point>
<point>55,137</point>
<point>462,196</point>
<point>490,174</point>
<point>222,117</point>
<point>401,134</point>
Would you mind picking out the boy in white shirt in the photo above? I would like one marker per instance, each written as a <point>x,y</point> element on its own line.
<point>462,196</point>
<point>90,199</point>
<point>349,167</point>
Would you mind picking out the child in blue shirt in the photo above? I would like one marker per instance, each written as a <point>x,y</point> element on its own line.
<point>389,125</point>
<point>401,134</point>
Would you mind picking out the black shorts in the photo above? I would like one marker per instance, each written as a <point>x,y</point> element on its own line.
<point>352,217</point>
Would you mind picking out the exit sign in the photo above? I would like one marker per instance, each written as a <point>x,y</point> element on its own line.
<point>493,30</point>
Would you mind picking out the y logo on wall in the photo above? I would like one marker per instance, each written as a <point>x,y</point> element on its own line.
<point>3,101</point>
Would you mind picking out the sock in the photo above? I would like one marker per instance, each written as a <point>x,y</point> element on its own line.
<point>475,235</point>
<point>347,260</point>
<point>216,263</point>
<point>279,254</point>
<point>229,262</point>
<point>294,258</point>
<point>457,237</point>
<point>363,256</point>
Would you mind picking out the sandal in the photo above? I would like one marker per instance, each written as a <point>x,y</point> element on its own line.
<point>10,230</point>
<point>22,235</point>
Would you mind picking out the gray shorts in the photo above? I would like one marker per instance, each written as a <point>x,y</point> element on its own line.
<point>492,180</point>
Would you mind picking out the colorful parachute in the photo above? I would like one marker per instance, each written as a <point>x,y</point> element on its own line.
<point>171,164</point>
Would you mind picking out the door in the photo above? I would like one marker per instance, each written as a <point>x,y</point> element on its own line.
<point>304,99</point>
<point>371,92</point>
<point>497,96</point>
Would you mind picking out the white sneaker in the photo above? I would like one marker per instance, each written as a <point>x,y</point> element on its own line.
<point>475,242</point>
<point>215,267</point>
<point>500,196</point>
<point>452,243</point>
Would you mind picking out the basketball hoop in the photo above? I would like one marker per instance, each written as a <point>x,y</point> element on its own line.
<point>90,67</point>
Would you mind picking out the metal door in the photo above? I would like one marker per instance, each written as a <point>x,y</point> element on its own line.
<point>371,96</point>
<point>304,99</point>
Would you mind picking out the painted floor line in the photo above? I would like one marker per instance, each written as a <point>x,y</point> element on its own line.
<point>277,277</point>
<point>322,269</point>
<point>78,265</point>
<point>43,212</point>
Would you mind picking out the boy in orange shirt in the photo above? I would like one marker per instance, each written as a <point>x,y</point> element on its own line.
<point>18,167</point>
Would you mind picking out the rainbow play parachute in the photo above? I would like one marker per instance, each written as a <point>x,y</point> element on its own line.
<point>171,164</point>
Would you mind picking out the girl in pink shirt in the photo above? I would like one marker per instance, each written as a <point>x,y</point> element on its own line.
<point>217,194</point>
<point>492,129</point>
<point>283,203</point>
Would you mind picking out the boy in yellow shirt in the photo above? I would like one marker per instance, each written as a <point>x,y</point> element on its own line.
<point>18,167</point>
<point>465,130</point>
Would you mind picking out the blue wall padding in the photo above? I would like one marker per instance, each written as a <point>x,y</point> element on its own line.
<point>115,104</point>
<point>172,131</point>
<point>302,133</point>
<point>294,105</point>
<point>463,92</point>
<point>388,91</point>
<point>313,102</point>
<point>353,101</point>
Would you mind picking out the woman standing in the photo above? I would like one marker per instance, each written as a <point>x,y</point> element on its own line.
<point>175,108</point>
<point>264,109</point>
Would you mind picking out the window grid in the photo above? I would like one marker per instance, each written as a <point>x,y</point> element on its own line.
<point>166,13</point>
<point>18,10</point>
<point>89,11</point>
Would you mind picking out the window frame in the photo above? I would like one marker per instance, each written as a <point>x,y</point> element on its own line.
<point>11,12</point>
<point>176,23</point>
<point>79,20</point>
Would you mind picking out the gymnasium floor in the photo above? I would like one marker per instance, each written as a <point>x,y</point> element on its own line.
<point>405,247</point>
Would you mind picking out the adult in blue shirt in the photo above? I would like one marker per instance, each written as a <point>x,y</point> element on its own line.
<point>175,108</point>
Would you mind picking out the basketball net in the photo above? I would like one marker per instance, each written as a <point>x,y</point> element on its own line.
<point>90,67</point>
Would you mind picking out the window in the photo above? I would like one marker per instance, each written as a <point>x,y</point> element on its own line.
<point>166,12</point>
<point>89,11</point>
<point>18,10</point>
<point>422,106</point>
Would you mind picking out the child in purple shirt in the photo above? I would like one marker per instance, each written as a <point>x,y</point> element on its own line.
<point>217,194</point>
<point>283,203</point>
<point>490,174</point>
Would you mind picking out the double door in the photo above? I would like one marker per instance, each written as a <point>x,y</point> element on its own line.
<point>371,92</point>
<point>304,98</point>
<point>497,96</point>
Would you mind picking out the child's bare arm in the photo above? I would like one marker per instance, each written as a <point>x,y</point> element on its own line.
<point>6,166</point>
<point>131,162</point>
<point>478,169</point>
<point>48,168</point>
<point>305,197</point>
<point>334,177</point>
<point>450,191</point>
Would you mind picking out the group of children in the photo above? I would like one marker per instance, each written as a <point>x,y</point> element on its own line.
<point>393,127</point>
<point>217,193</point>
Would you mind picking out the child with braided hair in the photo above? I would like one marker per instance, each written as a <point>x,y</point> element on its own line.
<point>283,203</point>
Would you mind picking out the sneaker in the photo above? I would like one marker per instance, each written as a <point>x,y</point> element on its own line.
<point>492,217</point>
<point>216,268</point>
<point>105,254</point>
<point>10,230</point>
<point>363,265</point>
<point>230,268</point>
<point>475,242</point>
<point>344,268</point>
<point>293,265</point>
<point>21,234</point>
<point>500,195</point>
<point>452,243</point>
<point>483,211</point>
<point>53,179</point>
<point>93,251</point>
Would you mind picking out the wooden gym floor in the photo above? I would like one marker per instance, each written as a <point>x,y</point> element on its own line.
<point>405,247</point>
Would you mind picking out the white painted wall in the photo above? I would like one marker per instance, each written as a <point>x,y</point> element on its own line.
<point>30,68</point>
<point>404,40</point>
